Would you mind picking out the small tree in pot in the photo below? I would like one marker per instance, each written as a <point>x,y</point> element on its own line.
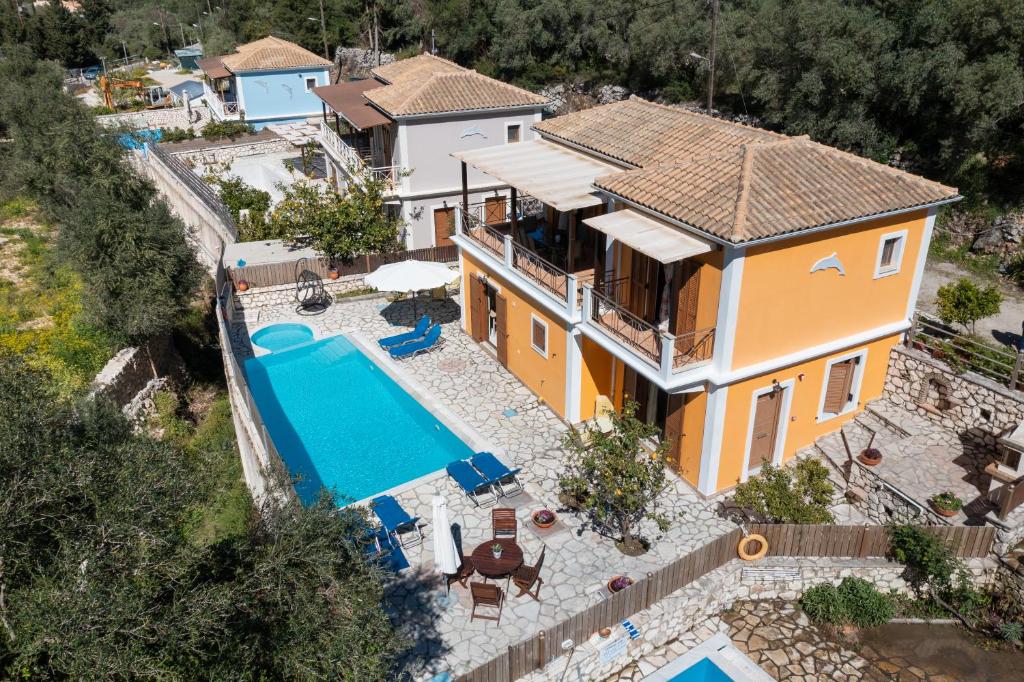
<point>616,479</point>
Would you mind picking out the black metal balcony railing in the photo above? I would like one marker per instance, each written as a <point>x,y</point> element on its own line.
<point>548,275</point>
<point>483,234</point>
<point>696,346</point>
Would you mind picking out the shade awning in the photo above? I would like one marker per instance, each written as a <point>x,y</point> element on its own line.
<point>346,100</point>
<point>656,239</point>
<point>556,175</point>
<point>213,67</point>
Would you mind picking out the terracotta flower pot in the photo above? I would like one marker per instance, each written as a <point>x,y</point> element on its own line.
<point>948,513</point>
<point>333,274</point>
<point>243,285</point>
<point>538,515</point>
<point>619,583</point>
<point>870,457</point>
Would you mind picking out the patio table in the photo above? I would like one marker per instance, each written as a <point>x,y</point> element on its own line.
<point>489,567</point>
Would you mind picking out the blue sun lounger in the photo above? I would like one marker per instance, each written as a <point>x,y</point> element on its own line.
<point>476,487</point>
<point>395,520</point>
<point>497,473</point>
<point>407,350</point>
<point>405,337</point>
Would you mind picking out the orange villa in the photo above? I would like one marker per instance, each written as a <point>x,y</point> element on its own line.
<point>743,287</point>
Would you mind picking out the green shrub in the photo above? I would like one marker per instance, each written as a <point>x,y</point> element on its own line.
<point>177,134</point>
<point>16,207</point>
<point>799,494</point>
<point>1011,632</point>
<point>855,602</point>
<point>865,606</point>
<point>217,130</point>
<point>929,562</point>
<point>964,303</point>
<point>822,604</point>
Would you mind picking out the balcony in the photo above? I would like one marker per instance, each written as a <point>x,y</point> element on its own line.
<point>353,161</point>
<point>665,353</point>
<point>224,111</point>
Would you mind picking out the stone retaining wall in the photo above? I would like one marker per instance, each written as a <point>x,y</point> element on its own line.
<point>689,607</point>
<point>884,506</point>
<point>284,294</point>
<point>133,375</point>
<point>230,151</point>
<point>175,117</point>
<point>975,406</point>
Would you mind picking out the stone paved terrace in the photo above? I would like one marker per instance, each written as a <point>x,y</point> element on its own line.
<point>919,458</point>
<point>472,393</point>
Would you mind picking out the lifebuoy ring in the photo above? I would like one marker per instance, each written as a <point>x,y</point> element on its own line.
<point>745,542</point>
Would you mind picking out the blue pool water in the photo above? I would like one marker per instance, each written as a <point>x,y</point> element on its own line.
<point>703,670</point>
<point>280,336</point>
<point>340,422</point>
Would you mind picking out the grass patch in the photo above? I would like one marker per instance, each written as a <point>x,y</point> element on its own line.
<point>943,248</point>
<point>17,207</point>
<point>43,317</point>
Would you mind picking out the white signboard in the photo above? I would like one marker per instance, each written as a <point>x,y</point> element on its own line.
<point>613,649</point>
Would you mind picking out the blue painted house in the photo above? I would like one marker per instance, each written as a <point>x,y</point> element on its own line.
<point>266,81</point>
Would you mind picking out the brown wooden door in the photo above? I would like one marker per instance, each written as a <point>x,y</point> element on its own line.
<point>839,386</point>
<point>494,210</point>
<point>766,427</point>
<point>643,287</point>
<point>501,329</point>
<point>478,312</point>
<point>674,428</point>
<point>444,226</point>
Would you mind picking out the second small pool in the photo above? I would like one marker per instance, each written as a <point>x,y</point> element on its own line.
<point>278,337</point>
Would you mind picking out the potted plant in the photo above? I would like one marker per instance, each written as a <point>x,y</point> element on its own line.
<point>496,550</point>
<point>946,504</point>
<point>619,583</point>
<point>333,273</point>
<point>243,285</point>
<point>544,518</point>
<point>870,457</point>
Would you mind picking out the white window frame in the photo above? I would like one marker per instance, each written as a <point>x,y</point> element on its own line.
<point>514,124</point>
<point>858,378</point>
<point>780,435</point>
<point>897,257</point>
<point>316,82</point>
<point>542,352</point>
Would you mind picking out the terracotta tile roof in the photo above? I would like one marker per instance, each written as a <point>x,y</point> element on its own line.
<point>430,85</point>
<point>420,66</point>
<point>769,188</point>
<point>270,53</point>
<point>641,133</point>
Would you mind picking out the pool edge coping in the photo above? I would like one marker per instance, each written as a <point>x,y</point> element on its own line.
<point>736,665</point>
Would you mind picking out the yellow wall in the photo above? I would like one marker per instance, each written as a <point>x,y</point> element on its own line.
<point>595,377</point>
<point>785,308</point>
<point>693,437</point>
<point>802,429</point>
<point>545,377</point>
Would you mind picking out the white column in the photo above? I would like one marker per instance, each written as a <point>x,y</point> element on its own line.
<point>573,374</point>
<point>711,448</point>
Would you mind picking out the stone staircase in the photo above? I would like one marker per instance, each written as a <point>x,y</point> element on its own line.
<point>881,425</point>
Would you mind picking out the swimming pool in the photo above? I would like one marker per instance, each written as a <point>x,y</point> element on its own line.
<point>278,337</point>
<point>341,423</point>
<point>715,660</point>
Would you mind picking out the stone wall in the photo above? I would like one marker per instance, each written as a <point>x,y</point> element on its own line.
<point>227,153</point>
<point>174,117</point>
<point>974,406</point>
<point>284,294</point>
<point>883,505</point>
<point>687,608</point>
<point>133,375</point>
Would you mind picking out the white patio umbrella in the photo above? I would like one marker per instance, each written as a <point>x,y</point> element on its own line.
<point>446,554</point>
<point>411,276</point>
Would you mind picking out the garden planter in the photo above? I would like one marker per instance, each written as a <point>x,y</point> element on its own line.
<point>544,518</point>
<point>243,285</point>
<point>948,513</point>
<point>946,504</point>
<point>870,457</point>
<point>333,274</point>
<point>619,583</point>
<point>496,551</point>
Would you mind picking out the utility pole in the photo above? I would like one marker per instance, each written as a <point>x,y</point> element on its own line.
<point>323,31</point>
<point>376,35</point>
<point>182,29</point>
<point>163,27</point>
<point>433,47</point>
<point>711,55</point>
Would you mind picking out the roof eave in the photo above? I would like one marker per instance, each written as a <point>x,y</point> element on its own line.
<point>585,150</point>
<point>456,112</point>
<point>774,238</point>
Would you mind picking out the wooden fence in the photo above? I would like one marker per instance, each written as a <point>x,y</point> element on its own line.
<point>274,274</point>
<point>865,541</point>
<point>783,540</point>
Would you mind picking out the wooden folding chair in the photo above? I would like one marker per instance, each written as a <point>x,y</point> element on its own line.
<point>504,523</point>
<point>485,594</point>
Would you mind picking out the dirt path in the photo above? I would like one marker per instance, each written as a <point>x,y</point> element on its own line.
<point>1005,327</point>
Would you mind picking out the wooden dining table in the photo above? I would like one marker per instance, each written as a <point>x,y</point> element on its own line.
<point>489,567</point>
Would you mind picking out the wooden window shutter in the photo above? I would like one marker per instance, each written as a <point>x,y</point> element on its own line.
<point>478,308</point>
<point>500,329</point>
<point>494,210</point>
<point>838,386</point>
